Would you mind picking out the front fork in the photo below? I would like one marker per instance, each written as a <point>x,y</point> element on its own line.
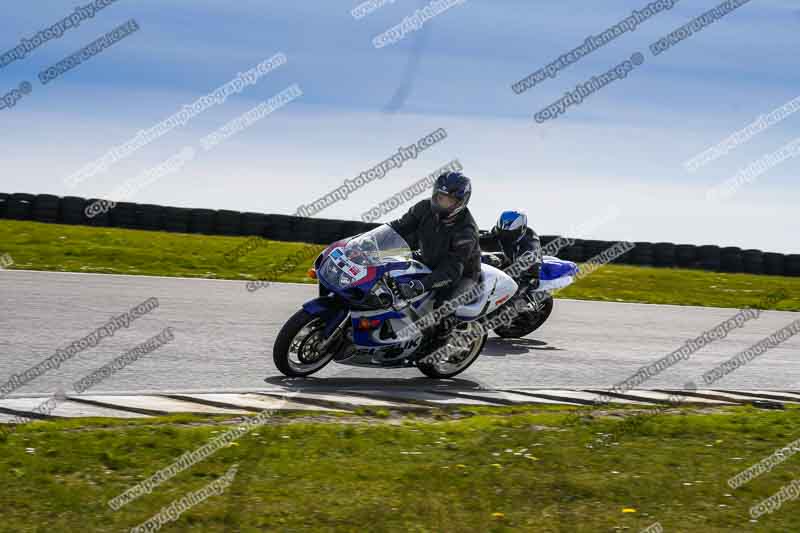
<point>336,316</point>
<point>336,335</point>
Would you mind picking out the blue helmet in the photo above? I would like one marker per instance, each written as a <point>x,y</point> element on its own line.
<point>451,194</point>
<point>511,226</point>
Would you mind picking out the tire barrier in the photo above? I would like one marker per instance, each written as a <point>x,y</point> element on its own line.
<point>45,208</point>
<point>708,257</point>
<point>353,227</point>
<point>20,206</point>
<point>730,259</point>
<point>664,254</point>
<point>753,261</point>
<point>686,255</point>
<point>3,204</point>
<point>643,254</point>
<point>326,231</point>
<point>253,224</point>
<point>202,221</point>
<point>773,264</point>
<point>101,219</point>
<point>229,222</point>
<point>176,219</point>
<point>592,248</point>
<point>574,252</point>
<point>791,265</point>
<point>150,217</point>
<point>279,228</point>
<point>71,210</point>
<point>304,229</point>
<point>124,215</point>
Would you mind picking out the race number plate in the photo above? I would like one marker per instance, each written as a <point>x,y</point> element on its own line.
<point>353,271</point>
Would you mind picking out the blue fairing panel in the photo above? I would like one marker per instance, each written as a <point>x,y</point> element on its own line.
<point>329,310</point>
<point>318,306</point>
<point>554,268</point>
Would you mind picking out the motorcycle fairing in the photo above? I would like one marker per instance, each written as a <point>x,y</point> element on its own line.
<point>329,309</point>
<point>498,287</point>
<point>556,273</point>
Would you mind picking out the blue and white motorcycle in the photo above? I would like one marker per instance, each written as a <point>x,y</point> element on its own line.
<point>533,306</point>
<point>361,318</point>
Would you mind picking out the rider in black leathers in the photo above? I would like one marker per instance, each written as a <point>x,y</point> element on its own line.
<point>446,235</point>
<point>512,236</point>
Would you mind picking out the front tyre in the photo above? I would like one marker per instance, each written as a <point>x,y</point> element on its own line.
<point>296,349</point>
<point>526,323</point>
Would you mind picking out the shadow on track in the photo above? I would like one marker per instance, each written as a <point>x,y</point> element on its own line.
<point>342,384</point>
<point>498,347</point>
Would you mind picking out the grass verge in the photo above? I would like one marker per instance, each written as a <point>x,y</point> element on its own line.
<point>38,246</point>
<point>467,469</point>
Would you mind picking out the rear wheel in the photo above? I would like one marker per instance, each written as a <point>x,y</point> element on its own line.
<point>447,365</point>
<point>297,348</point>
<point>526,323</point>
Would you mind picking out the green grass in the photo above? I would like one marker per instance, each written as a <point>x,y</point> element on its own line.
<point>63,248</point>
<point>305,474</point>
<point>38,246</point>
<point>623,283</point>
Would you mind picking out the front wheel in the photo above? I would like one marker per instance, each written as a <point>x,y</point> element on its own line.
<point>296,349</point>
<point>526,323</point>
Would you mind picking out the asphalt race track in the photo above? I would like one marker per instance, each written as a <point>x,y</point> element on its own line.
<point>224,336</point>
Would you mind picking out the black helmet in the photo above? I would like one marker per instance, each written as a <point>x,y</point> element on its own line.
<point>451,194</point>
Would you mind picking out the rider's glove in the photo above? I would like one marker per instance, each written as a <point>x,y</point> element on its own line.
<point>496,261</point>
<point>412,289</point>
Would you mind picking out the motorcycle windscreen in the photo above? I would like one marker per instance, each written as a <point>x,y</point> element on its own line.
<point>356,261</point>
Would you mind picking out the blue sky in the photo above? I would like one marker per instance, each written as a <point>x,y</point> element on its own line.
<point>624,146</point>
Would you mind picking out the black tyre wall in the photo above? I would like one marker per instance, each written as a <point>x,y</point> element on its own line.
<point>254,224</point>
<point>202,221</point>
<point>774,264</point>
<point>664,254</point>
<point>753,261</point>
<point>73,210</point>
<point>177,219</point>
<point>708,257</point>
<point>45,208</point>
<point>685,255</point>
<point>278,228</point>
<point>150,217</point>
<point>792,265</point>
<point>731,259</point>
<point>20,206</point>
<point>100,219</point>
<point>643,254</point>
<point>229,222</point>
<point>124,215</point>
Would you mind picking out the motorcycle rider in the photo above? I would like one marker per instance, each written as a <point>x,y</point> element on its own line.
<point>446,235</point>
<point>512,236</point>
